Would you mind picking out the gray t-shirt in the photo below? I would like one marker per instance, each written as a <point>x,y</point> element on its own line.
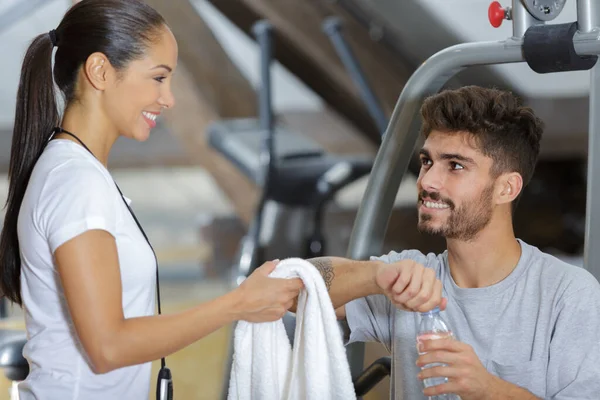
<point>539,328</point>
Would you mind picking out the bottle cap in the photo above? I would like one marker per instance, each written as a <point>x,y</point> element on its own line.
<point>436,310</point>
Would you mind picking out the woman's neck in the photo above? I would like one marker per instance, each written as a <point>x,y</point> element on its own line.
<point>92,128</point>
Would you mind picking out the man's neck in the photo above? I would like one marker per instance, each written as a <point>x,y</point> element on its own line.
<point>485,260</point>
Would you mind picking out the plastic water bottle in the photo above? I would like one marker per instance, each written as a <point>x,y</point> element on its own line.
<point>434,327</point>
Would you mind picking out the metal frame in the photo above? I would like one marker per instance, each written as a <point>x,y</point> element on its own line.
<point>522,18</point>
<point>332,27</point>
<point>402,133</point>
<point>588,17</point>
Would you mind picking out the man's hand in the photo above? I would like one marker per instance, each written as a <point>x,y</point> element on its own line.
<point>467,377</point>
<point>411,286</point>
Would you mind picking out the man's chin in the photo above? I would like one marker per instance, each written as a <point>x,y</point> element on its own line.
<point>430,229</point>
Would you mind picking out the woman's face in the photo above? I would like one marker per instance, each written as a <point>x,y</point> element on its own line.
<point>143,89</point>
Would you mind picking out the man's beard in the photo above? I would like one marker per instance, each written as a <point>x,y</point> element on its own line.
<point>464,222</point>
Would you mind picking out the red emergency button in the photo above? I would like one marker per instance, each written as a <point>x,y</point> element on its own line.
<point>496,14</point>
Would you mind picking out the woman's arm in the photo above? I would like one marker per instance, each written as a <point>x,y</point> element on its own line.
<point>89,271</point>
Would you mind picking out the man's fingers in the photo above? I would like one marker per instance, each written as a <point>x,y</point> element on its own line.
<point>446,344</point>
<point>434,300</point>
<point>386,277</point>
<point>443,304</point>
<point>426,292</point>
<point>444,388</point>
<point>413,288</point>
<point>439,372</point>
<point>437,356</point>
<point>405,273</point>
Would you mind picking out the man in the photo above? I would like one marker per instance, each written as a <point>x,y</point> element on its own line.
<point>527,325</point>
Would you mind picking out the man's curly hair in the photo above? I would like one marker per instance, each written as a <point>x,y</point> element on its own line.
<point>501,127</point>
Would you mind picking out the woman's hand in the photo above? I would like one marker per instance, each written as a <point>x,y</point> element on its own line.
<point>265,299</point>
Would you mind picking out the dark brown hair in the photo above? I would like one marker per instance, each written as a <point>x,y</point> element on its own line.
<point>503,129</point>
<point>121,30</point>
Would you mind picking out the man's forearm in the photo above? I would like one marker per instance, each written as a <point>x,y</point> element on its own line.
<point>346,279</point>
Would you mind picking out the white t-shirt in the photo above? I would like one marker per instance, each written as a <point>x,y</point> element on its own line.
<point>71,192</point>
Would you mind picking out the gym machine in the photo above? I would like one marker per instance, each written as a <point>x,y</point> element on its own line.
<point>545,48</point>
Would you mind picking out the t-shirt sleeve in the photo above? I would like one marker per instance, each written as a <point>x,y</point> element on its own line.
<point>371,318</point>
<point>76,198</point>
<point>574,370</point>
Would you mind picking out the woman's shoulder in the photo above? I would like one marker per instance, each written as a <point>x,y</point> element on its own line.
<point>68,191</point>
<point>64,162</point>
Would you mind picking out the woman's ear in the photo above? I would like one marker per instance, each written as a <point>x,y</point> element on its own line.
<point>98,70</point>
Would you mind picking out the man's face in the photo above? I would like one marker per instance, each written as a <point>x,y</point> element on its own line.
<point>455,187</point>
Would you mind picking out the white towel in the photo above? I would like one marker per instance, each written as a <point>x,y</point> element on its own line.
<point>264,365</point>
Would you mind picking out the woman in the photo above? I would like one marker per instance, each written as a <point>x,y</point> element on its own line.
<point>71,252</point>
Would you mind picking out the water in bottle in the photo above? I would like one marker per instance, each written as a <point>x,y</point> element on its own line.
<point>434,327</point>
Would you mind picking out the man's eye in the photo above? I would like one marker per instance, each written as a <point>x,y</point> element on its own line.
<point>456,166</point>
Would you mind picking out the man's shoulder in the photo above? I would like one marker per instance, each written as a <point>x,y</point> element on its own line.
<point>565,276</point>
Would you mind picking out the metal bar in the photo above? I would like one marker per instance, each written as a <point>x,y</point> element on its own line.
<point>587,43</point>
<point>333,27</point>
<point>592,214</point>
<point>264,36</point>
<point>251,251</point>
<point>521,18</point>
<point>3,308</point>
<point>588,15</point>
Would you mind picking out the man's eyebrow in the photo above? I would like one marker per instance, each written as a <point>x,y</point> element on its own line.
<point>449,156</point>
<point>458,157</point>
<point>164,66</point>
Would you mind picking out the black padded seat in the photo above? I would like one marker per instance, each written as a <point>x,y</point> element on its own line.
<point>299,165</point>
<point>12,362</point>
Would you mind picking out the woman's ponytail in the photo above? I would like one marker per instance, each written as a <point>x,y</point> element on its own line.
<point>36,115</point>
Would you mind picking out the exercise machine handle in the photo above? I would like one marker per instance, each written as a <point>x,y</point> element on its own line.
<point>371,376</point>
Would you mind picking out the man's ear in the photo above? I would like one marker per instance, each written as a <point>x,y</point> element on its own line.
<point>98,70</point>
<point>509,186</point>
